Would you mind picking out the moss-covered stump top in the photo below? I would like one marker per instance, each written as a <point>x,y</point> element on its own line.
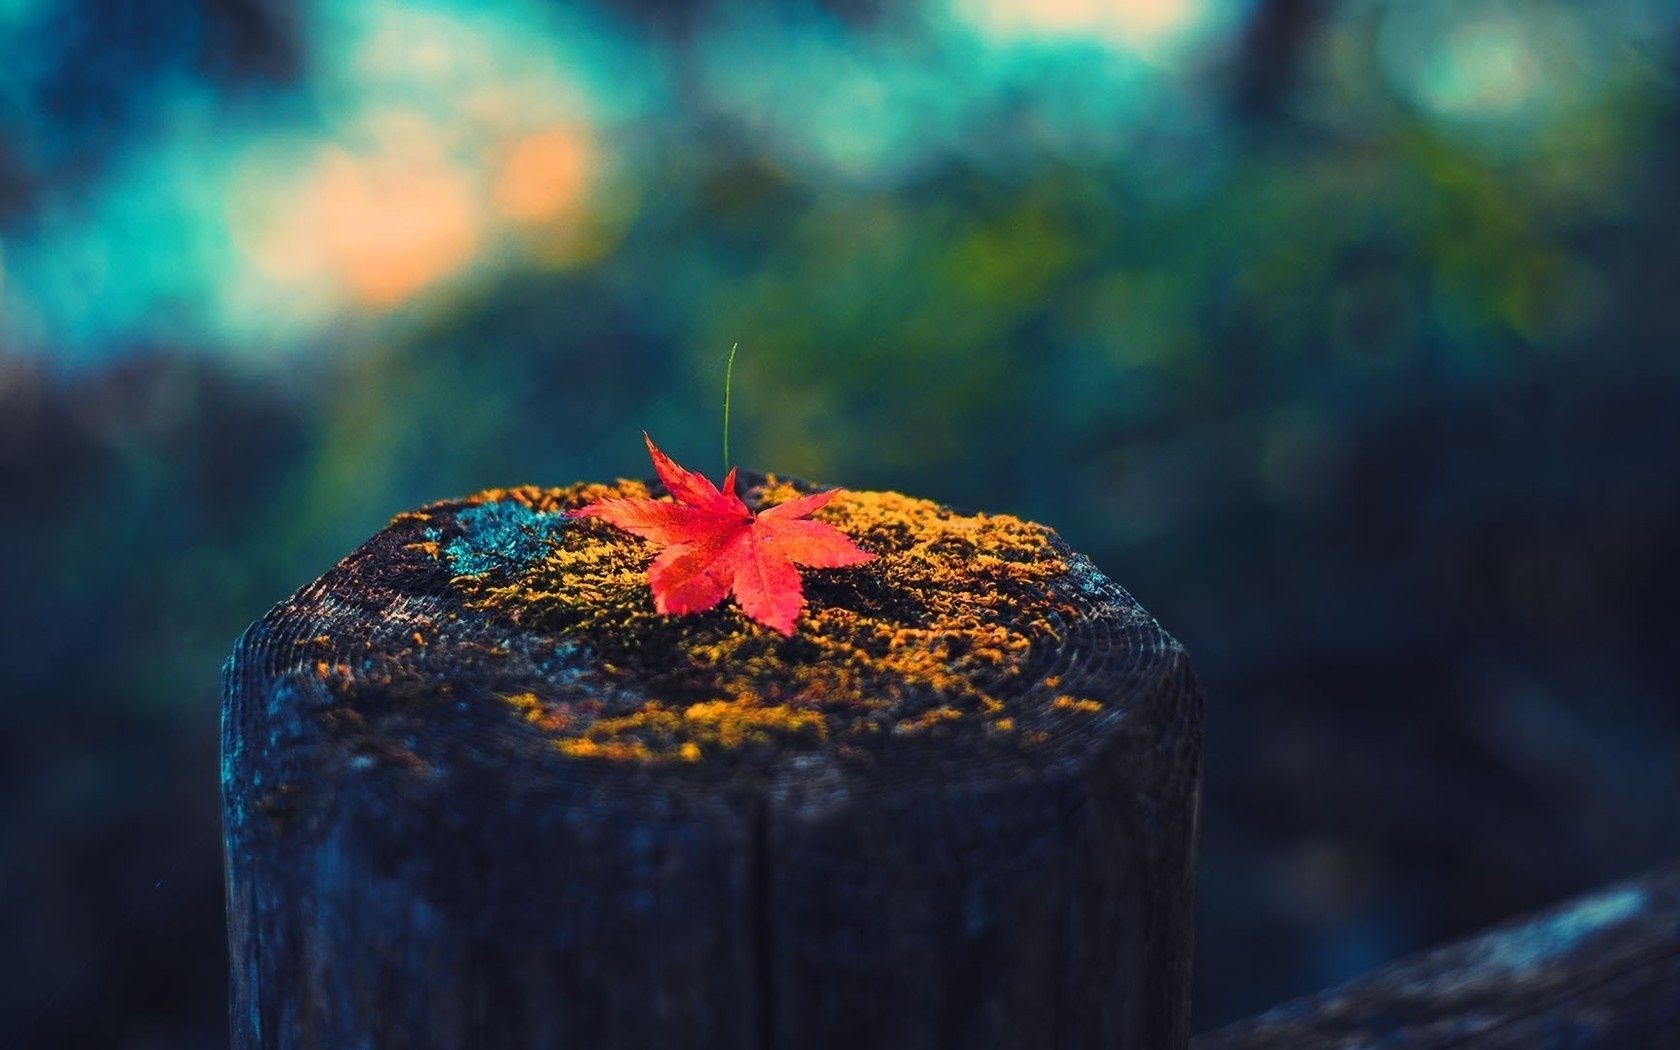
<point>972,640</point>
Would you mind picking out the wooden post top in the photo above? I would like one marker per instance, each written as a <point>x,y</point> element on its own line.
<point>497,629</point>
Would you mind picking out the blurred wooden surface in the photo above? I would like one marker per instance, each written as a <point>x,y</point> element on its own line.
<point>1601,971</point>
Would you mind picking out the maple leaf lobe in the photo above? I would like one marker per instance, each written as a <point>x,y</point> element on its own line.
<point>714,546</point>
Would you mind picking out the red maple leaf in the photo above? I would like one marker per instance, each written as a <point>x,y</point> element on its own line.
<point>714,546</point>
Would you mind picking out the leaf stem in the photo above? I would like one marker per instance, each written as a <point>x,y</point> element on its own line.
<point>728,382</point>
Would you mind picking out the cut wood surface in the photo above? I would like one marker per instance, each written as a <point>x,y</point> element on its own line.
<point>477,793</point>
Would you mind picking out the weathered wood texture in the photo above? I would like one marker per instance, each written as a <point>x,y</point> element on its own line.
<point>475,795</point>
<point>1602,971</point>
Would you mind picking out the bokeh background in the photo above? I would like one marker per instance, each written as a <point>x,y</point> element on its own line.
<point>1342,333</point>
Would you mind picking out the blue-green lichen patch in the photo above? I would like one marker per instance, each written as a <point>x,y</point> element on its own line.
<point>504,536</point>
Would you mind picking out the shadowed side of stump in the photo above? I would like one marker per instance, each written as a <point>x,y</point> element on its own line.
<point>477,793</point>
<point>1009,905</point>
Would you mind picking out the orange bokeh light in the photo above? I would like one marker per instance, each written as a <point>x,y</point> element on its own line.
<point>544,176</point>
<point>392,228</point>
<point>377,228</point>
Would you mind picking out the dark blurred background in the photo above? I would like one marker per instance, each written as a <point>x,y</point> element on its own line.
<point>1343,334</point>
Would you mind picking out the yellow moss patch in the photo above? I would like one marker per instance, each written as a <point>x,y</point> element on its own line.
<point>930,718</point>
<point>532,710</point>
<point>617,750</point>
<point>1069,703</point>
<point>658,730</point>
<point>425,546</point>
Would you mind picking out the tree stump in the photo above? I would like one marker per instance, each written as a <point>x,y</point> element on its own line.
<point>477,793</point>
